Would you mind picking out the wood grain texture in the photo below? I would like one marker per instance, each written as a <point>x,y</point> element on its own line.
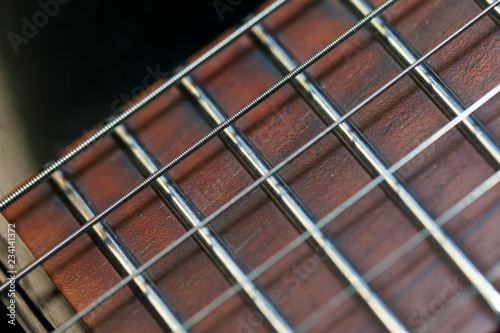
<point>323,177</point>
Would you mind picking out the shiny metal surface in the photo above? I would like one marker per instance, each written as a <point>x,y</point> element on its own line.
<point>372,273</point>
<point>435,88</point>
<point>284,251</point>
<point>187,152</point>
<point>290,205</point>
<point>112,248</point>
<point>177,201</point>
<point>329,112</point>
<point>39,305</point>
<point>494,13</point>
<point>56,165</point>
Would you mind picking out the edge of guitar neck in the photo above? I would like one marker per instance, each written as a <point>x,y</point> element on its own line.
<point>38,305</point>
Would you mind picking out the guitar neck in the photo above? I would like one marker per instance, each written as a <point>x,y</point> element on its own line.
<point>358,196</point>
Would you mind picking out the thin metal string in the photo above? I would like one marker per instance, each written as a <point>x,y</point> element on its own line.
<point>112,123</point>
<point>336,212</point>
<point>213,133</point>
<point>400,252</point>
<point>272,171</point>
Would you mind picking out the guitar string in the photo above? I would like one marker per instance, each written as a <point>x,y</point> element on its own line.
<point>258,181</point>
<point>299,240</point>
<point>212,134</point>
<point>115,121</point>
<point>336,212</point>
<point>401,251</point>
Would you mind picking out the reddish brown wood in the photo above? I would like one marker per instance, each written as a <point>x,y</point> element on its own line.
<point>324,177</point>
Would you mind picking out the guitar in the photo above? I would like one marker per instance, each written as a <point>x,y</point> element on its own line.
<point>359,194</point>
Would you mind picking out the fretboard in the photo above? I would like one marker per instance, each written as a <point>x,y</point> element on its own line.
<point>358,196</point>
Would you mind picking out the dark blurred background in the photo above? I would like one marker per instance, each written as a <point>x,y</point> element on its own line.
<point>65,62</point>
<point>66,72</point>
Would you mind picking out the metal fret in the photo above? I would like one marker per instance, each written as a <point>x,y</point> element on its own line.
<point>329,112</point>
<point>112,248</point>
<point>494,13</point>
<point>435,88</point>
<point>56,165</point>
<point>290,205</point>
<point>179,158</point>
<point>177,201</point>
<point>33,310</point>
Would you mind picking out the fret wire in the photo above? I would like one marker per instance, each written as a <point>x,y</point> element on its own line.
<point>430,83</point>
<point>344,206</point>
<point>494,13</point>
<point>177,201</point>
<point>371,160</point>
<point>118,255</point>
<point>201,142</point>
<point>113,122</point>
<point>402,250</point>
<point>290,205</point>
<point>256,183</point>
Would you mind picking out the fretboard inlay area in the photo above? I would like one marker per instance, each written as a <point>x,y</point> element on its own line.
<point>448,283</point>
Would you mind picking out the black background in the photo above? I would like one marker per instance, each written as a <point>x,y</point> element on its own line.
<point>65,78</point>
<point>89,53</point>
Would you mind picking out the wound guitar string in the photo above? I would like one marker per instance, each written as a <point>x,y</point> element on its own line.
<point>113,122</point>
<point>398,165</point>
<point>213,133</point>
<point>348,203</point>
